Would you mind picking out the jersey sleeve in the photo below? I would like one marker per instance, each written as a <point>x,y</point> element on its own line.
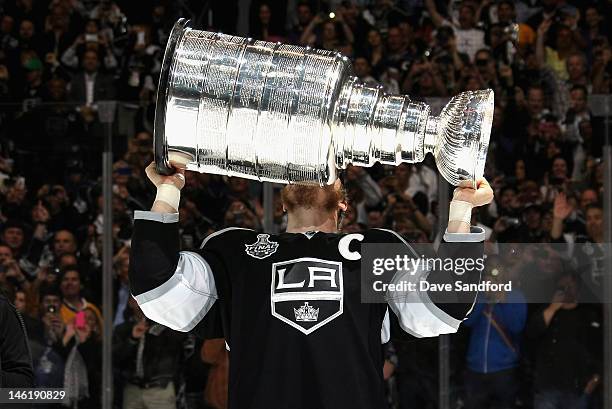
<point>174,288</point>
<point>425,313</point>
<point>222,249</point>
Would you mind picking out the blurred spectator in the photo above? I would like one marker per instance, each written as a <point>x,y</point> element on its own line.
<point>548,11</point>
<point>89,85</point>
<point>31,89</point>
<point>7,40</point>
<point>594,29</point>
<point>121,291</point>
<point>63,243</point>
<point>424,79</point>
<point>383,14</point>
<point>265,27</point>
<point>214,353</point>
<point>48,355</point>
<point>375,52</point>
<point>139,154</point>
<point>13,237</point>
<point>57,37</point>
<point>577,75</point>
<point>147,356</point>
<point>567,366</point>
<point>469,38</point>
<point>126,186</point>
<point>564,45</point>
<point>400,50</point>
<point>63,130</point>
<point>72,300</point>
<point>304,16</point>
<point>93,39</point>
<point>139,64</point>
<point>324,33</point>
<point>362,70</point>
<point>588,256</point>
<point>28,38</point>
<point>494,351</point>
<point>83,368</point>
<point>108,13</point>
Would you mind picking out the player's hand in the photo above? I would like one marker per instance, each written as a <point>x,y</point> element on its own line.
<point>177,178</point>
<point>482,195</point>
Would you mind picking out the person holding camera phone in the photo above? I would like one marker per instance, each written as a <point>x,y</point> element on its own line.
<point>47,352</point>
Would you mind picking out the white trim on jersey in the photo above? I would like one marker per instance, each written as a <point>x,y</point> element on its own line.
<point>183,300</point>
<point>210,236</point>
<point>385,331</point>
<point>476,234</point>
<point>417,314</point>
<point>156,216</point>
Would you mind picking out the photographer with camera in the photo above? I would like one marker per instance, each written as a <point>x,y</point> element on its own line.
<point>48,352</point>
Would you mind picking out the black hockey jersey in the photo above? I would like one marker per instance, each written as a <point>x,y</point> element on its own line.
<point>289,307</point>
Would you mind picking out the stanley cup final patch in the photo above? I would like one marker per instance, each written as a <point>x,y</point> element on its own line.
<point>307,293</point>
<point>262,248</point>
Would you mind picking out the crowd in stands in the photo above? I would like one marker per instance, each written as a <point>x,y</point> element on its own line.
<point>59,58</point>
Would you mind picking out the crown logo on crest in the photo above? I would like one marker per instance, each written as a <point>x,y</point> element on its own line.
<point>306,313</point>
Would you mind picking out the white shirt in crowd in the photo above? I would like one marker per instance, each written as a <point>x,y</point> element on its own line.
<point>468,41</point>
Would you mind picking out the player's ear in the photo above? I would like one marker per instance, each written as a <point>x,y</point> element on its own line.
<point>342,206</point>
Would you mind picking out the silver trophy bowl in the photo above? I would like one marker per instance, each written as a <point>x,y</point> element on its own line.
<point>289,114</point>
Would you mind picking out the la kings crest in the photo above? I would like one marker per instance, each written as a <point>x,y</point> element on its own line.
<point>307,293</point>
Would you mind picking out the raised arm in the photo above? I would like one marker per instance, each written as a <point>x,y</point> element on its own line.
<point>540,46</point>
<point>174,288</point>
<point>308,36</point>
<point>433,13</point>
<point>427,313</point>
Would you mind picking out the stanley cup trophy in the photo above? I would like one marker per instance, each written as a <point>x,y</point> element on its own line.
<point>290,114</point>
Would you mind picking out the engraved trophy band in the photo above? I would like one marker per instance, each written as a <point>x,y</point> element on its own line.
<point>290,114</point>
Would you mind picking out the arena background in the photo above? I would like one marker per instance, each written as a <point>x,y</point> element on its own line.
<point>62,61</point>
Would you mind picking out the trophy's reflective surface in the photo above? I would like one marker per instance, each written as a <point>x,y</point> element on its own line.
<point>281,113</point>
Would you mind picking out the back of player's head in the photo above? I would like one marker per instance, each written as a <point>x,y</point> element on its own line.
<point>324,198</point>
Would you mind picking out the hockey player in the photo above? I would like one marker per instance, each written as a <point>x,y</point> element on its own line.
<point>288,305</point>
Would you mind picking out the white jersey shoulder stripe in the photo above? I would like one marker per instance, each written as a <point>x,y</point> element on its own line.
<point>219,232</point>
